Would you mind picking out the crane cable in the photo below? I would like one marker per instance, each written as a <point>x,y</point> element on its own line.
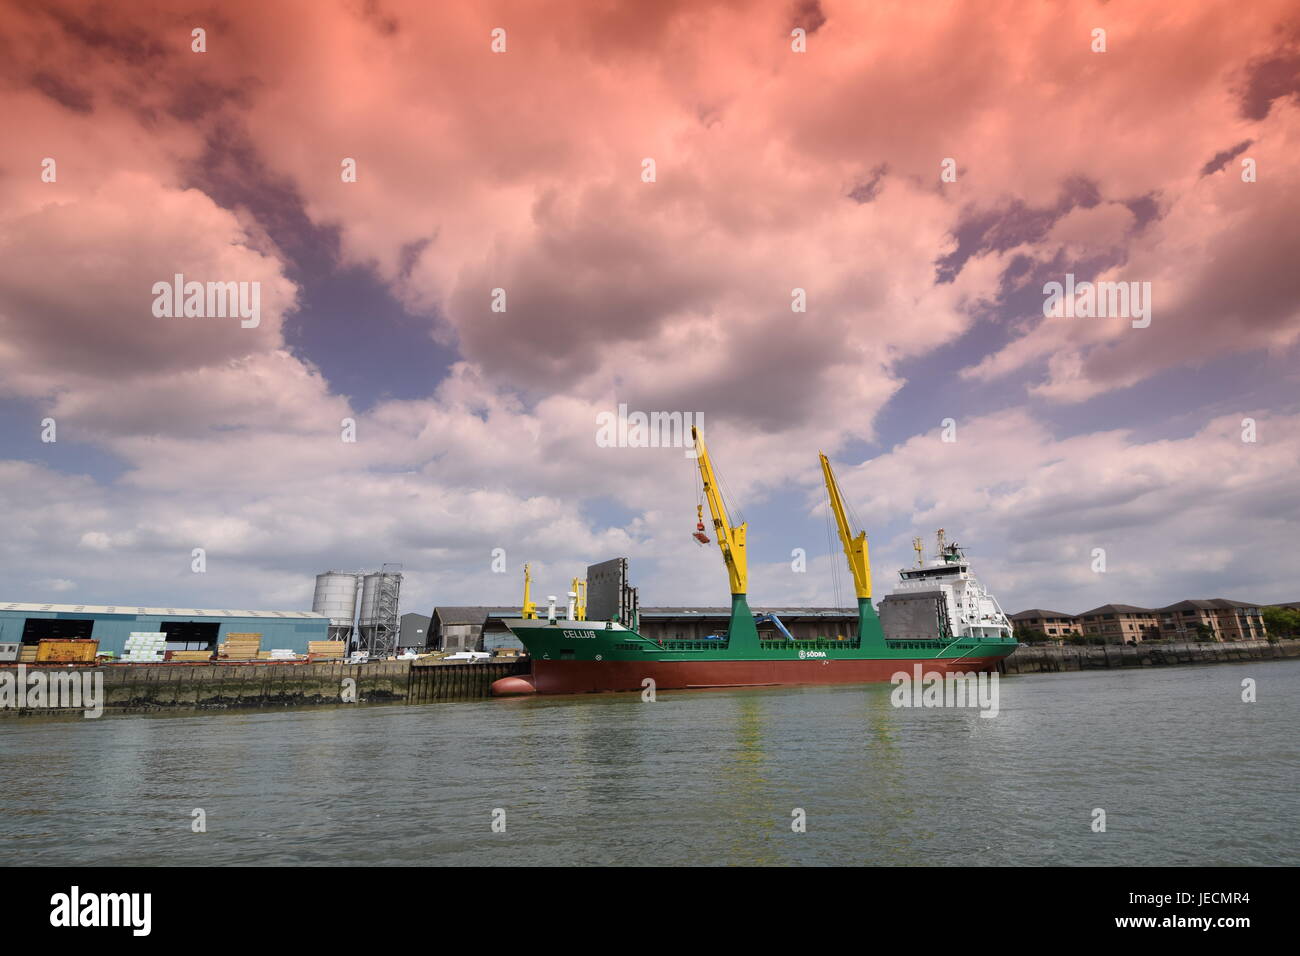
<point>832,547</point>
<point>733,512</point>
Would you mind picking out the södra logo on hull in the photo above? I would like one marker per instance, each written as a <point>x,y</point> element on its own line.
<point>804,654</point>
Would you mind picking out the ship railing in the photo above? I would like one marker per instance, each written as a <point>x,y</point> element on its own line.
<point>920,644</point>
<point>814,644</point>
<point>962,644</point>
<point>673,646</point>
<point>696,645</point>
<point>648,643</point>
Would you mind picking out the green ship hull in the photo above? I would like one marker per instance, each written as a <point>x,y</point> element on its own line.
<point>570,657</point>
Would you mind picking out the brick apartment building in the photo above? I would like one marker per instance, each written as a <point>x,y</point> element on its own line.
<point>1219,619</point>
<point>1121,623</point>
<point>1226,620</point>
<point>1057,625</point>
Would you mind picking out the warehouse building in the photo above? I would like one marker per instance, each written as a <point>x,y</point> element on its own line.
<point>187,629</point>
<point>413,633</point>
<point>472,628</point>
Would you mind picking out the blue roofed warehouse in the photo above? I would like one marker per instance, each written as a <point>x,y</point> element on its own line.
<point>195,629</point>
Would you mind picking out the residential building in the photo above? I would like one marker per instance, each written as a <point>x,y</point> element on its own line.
<point>1220,619</point>
<point>1121,623</point>
<point>1057,625</point>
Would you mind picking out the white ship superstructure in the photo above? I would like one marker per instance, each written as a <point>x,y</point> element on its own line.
<point>941,597</point>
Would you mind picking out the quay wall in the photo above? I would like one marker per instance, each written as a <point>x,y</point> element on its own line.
<point>149,687</point>
<point>1049,658</point>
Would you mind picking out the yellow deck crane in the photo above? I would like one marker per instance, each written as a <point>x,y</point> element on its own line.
<point>855,550</point>
<point>579,589</point>
<point>741,631</point>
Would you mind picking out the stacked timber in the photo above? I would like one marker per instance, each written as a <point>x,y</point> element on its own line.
<point>325,650</point>
<point>242,647</point>
<point>190,657</point>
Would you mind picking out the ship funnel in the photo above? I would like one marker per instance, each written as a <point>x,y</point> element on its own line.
<point>550,608</point>
<point>573,599</point>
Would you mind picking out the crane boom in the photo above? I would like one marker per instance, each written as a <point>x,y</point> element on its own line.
<point>855,548</point>
<point>730,539</point>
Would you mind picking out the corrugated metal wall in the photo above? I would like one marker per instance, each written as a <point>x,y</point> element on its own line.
<point>112,629</point>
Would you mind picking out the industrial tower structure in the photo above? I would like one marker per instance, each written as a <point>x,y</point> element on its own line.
<point>364,605</point>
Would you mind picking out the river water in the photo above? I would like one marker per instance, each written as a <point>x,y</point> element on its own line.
<point>1185,771</point>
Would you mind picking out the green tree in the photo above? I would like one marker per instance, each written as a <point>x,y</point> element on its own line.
<point>1282,622</point>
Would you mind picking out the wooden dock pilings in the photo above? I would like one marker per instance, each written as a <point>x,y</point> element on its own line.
<point>1048,658</point>
<point>433,682</point>
<point>148,687</point>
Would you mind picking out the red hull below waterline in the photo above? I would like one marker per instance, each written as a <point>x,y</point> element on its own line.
<point>589,677</point>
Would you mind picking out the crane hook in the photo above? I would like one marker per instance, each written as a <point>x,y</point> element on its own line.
<point>699,534</point>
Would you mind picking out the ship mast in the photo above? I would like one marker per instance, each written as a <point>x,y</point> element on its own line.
<point>731,539</point>
<point>529,611</point>
<point>579,589</point>
<point>855,548</point>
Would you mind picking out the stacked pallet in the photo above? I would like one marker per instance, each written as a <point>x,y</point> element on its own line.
<point>325,650</point>
<point>242,647</point>
<point>282,654</point>
<point>145,647</point>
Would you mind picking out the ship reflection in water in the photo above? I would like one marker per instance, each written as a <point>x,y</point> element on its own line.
<point>1187,774</point>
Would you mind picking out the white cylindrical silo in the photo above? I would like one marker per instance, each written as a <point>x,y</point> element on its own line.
<point>336,598</point>
<point>368,616</point>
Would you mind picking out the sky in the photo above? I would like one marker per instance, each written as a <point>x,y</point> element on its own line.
<point>475,228</point>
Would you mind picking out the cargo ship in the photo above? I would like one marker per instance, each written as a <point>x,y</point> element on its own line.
<point>939,617</point>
